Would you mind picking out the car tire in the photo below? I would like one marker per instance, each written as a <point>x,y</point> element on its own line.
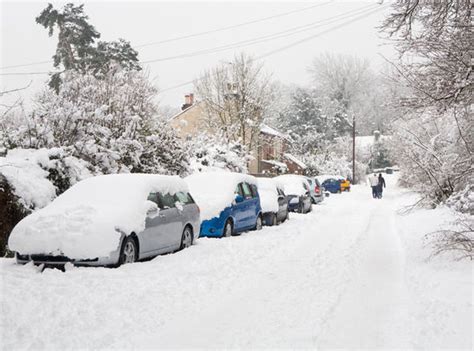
<point>259,223</point>
<point>128,251</point>
<point>186,238</point>
<point>228,229</point>
<point>274,220</point>
<point>301,208</point>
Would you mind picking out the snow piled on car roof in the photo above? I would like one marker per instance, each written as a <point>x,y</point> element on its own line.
<point>87,220</point>
<point>214,191</point>
<point>293,184</point>
<point>267,189</point>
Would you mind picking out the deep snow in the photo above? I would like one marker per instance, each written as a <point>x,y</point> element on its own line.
<point>352,274</point>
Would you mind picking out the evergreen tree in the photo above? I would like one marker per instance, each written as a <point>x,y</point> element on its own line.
<point>76,50</point>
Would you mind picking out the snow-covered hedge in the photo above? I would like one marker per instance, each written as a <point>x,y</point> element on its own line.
<point>31,179</point>
<point>213,152</point>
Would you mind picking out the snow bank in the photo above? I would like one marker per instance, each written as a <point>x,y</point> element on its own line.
<point>214,191</point>
<point>87,220</point>
<point>267,189</point>
<point>293,184</point>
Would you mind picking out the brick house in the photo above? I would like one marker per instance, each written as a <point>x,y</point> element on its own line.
<point>270,157</point>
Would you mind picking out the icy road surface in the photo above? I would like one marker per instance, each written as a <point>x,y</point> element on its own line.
<point>352,274</point>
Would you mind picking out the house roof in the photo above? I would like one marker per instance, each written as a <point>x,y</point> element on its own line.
<point>185,110</point>
<point>266,129</point>
<point>295,160</point>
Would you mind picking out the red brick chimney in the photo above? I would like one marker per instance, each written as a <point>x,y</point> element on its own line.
<point>188,101</point>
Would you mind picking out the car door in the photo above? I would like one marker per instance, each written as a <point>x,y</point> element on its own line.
<point>148,236</point>
<point>249,211</point>
<point>189,210</point>
<point>238,209</point>
<point>171,226</point>
<point>282,203</point>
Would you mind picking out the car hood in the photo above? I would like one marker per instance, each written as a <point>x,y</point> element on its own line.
<point>78,232</point>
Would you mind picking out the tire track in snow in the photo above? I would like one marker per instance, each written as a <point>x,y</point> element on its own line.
<point>374,311</point>
<point>285,295</point>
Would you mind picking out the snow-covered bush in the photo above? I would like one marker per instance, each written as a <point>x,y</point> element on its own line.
<point>433,158</point>
<point>30,179</point>
<point>111,123</point>
<point>212,152</point>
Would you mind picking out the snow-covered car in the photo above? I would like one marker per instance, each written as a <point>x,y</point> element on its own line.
<point>229,202</point>
<point>273,201</point>
<point>297,190</point>
<point>109,220</point>
<point>316,190</point>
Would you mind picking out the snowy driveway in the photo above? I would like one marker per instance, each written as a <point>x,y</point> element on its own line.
<point>351,274</point>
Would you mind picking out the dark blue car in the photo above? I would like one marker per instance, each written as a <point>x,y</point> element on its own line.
<point>333,185</point>
<point>229,203</point>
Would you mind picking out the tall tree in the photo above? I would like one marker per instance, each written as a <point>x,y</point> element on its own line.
<point>76,49</point>
<point>341,80</point>
<point>237,96</point>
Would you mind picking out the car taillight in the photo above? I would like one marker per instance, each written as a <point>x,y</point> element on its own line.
<point>316,189</point>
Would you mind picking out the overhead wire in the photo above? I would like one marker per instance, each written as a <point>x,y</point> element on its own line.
<point>197,34</point>
<point>272,52</point>
<point>268,37</point>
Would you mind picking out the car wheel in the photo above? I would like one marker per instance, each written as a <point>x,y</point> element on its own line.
<point>228,229</point>
<point>258,225</point>
<point>274,220</point>
<point>301,208</point>
<point>186,238</point>
<point>129,251</point>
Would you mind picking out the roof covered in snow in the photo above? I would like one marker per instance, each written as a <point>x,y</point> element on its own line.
<point>295,160</point>
<point>266,129</point>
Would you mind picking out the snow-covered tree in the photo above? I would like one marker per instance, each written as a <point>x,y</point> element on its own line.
<point>76,49</point>
<point>434,138</point>
<point>209,152</point>
<point>237,96</point>
<point>109,122</point>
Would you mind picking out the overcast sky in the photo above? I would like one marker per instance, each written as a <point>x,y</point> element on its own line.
<point>24,41</point>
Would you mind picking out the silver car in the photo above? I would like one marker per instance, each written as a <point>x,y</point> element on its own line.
<point>108,221</point>
<point>316,190</point>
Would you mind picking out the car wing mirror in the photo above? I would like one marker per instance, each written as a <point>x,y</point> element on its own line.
<point>152,208</point>
<point>239,198</point>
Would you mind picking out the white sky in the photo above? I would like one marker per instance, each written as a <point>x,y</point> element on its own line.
<point>24,41</point>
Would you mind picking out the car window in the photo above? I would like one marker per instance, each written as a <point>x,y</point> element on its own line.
<point>280,192</point>
<point>305,186</point>
<point>238,190</point>
<point>184,198</point>
<point>154,198</point>
<point>254,189</point>
<point>247,191</point>
<point>166,201</point>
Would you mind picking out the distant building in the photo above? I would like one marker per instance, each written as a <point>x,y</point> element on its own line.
<point>270,157</point>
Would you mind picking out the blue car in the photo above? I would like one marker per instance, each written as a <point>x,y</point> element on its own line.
<point>331,184</point>
<point>229,203</point>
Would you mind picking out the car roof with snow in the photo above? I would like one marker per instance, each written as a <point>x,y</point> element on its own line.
<point>214,191</point>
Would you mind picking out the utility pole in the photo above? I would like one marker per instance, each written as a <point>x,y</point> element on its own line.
<point>353,148</point>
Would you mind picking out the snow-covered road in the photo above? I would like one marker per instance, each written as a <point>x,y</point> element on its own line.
<point>351,274</point>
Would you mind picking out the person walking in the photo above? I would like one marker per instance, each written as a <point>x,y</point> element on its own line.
<point>380,186</point>
<point>374,182</point>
